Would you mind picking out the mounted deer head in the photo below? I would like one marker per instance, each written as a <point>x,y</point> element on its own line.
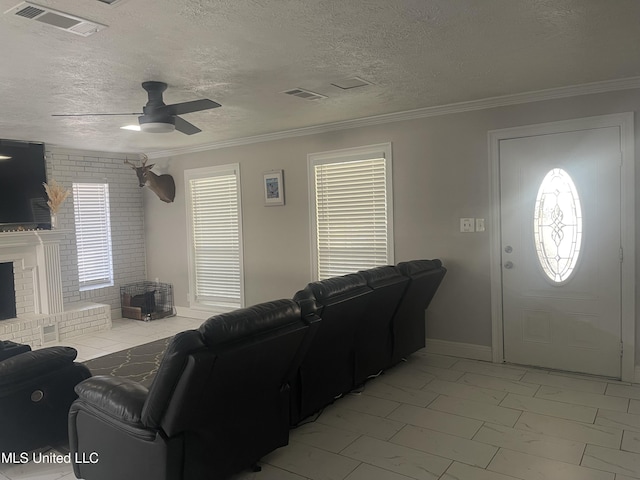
<point>162,185</point>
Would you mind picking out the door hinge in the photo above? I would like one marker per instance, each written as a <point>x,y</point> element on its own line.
<point>621,348</point>
<point>621,254</point>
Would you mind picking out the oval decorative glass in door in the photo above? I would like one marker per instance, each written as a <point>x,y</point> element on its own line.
<point>557,225</point>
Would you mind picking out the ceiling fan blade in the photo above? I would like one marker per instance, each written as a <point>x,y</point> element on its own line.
<point>193,106</point>
<point>186,127</point>
<point>92,114</point>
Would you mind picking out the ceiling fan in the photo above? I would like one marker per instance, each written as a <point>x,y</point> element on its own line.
<point>156,116</point>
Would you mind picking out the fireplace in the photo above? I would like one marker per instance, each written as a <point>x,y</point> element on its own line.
<point>32,258</point>
<point>35,259</point>
<point>7,291</point>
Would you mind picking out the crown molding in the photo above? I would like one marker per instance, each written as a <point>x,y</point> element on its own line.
<point>486,103</point>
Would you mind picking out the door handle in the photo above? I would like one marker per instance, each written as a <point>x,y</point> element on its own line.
<point>508,265</point>
<point>508,249</point>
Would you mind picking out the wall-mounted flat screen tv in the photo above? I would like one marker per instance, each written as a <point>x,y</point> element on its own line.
<point>23,200</point>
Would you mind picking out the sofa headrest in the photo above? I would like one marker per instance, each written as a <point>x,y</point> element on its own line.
<point>34,363</point>
<point>381,276</point>
<point>351,284</point>
<point>418,267</point>
<point>227,327</point>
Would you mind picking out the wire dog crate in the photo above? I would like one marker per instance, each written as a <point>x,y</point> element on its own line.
<point>147,300</point>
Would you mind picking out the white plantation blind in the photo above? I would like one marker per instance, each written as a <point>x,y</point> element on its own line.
<point>93,234</point>
<point>352,216</point>
<point>216,237</point>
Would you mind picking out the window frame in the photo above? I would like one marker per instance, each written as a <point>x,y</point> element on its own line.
<point>207,172</point>
<point>382,150</point>
<point>86,285</point>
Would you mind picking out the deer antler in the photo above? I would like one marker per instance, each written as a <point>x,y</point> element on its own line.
<point>144,159</point>
<point>133,165</point>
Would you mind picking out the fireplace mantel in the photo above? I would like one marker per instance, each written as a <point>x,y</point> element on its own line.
<point>32,237</point>
<point>40,251</point>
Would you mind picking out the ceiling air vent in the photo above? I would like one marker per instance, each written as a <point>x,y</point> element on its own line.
<point>305,94</point>
<point>30,12</point>
<point>64,21</point>
<point>349,83</point>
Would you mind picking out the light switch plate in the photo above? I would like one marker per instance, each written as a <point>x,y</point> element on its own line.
<point>479,224</point>
<point>467,225</point>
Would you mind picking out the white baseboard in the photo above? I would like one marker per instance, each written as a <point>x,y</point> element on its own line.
<point>459,349</point>
<point>201,314</point>
<point>193,313</point>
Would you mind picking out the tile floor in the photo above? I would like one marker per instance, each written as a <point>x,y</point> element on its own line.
<point>436,417</point>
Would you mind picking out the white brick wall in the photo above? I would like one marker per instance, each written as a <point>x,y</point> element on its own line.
<point>127,219</point>
<point>23,279</point>
<point>81,319</point>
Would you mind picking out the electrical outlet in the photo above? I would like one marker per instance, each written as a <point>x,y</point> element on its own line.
<point>467,225</point>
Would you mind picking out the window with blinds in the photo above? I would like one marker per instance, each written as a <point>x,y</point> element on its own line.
<point>351,210</point>
<point>93,235</point>
<point>215,237</point>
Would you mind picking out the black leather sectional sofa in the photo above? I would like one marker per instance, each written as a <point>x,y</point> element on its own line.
<point>227,393</point>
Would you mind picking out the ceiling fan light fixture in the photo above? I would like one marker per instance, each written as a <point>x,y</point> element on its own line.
<point>157,127</point>
<point>152,125</point>
<point>135,128</point>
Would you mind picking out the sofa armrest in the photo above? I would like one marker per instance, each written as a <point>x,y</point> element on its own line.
<point>118,398</point>
<point>9,349</point>
<point>106,420</point>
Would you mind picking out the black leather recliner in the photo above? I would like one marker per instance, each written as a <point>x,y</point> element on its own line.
<point>36,391</point>
<point>328,369</point>
<point>374,338</point>
<point>409,328</point>
<point>219,402</point>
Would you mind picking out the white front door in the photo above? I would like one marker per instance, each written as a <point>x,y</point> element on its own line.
<point>560,219</point>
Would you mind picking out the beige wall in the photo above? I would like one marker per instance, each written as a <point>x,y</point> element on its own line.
<point>440,173</point>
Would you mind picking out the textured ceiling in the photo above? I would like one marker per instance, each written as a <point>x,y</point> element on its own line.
<point>244,53</point>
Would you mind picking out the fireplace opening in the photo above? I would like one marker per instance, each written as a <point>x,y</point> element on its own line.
<point>7,291</point>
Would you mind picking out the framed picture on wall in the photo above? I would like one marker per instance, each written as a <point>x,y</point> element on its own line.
<point>273,188</point>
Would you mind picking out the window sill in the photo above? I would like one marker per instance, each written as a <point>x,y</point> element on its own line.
<point>95,287</point>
